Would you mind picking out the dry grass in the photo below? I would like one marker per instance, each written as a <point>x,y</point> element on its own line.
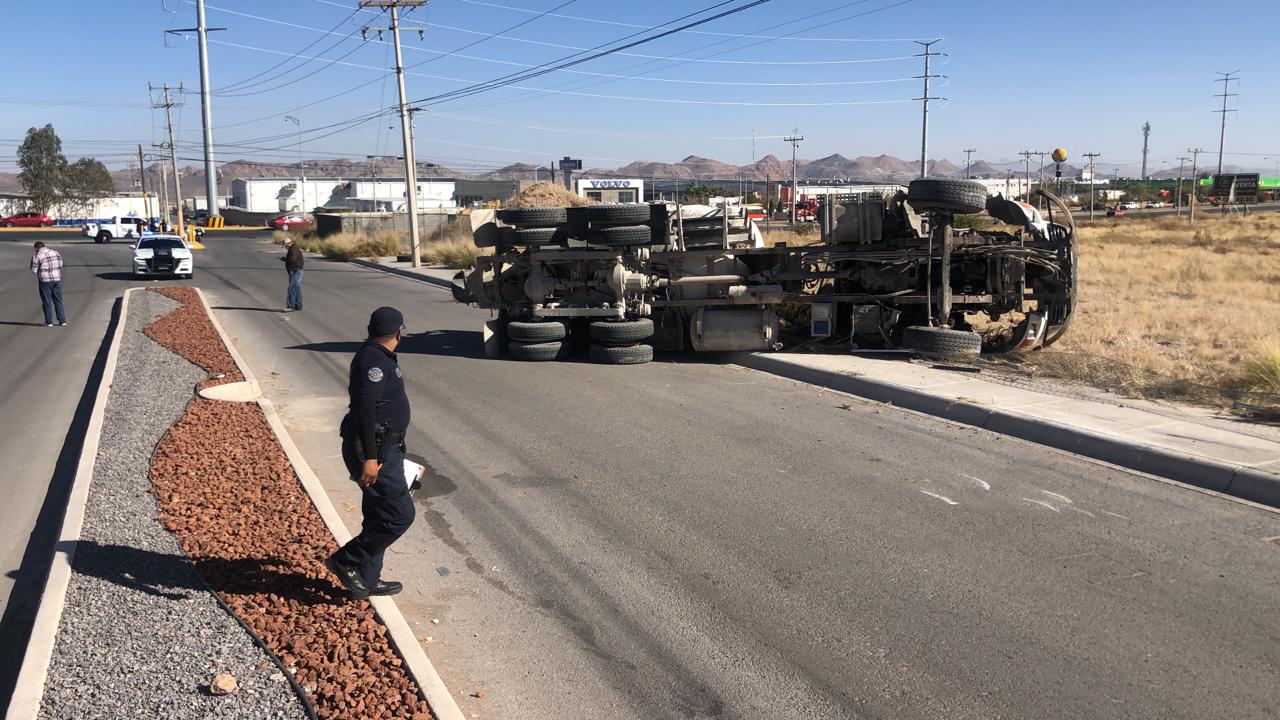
<point>1175,311</point>
<point>347,245</point>
<point>792,235</point>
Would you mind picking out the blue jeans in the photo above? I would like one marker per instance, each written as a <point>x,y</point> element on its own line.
<point>51,300</point>
<point>294,299</point>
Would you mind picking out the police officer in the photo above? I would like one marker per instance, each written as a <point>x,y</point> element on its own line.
<point>373,450</point>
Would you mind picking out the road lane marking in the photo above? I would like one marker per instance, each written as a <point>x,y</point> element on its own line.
<point>1085,512</point>
<point>1056,496</point>
<point>1108,512</point>
<point>1042,504</point>
<point>985,485</point>
<point>943,498</point>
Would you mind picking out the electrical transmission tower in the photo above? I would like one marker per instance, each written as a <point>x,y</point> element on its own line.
<point>168,104</point>
<point>968,154</point>
<point>794,139</point>
<point>924,101</point>
<point>1146,136</point>
<point>406,131</point>
<point>1226,80</point>
<point>1092,179</point>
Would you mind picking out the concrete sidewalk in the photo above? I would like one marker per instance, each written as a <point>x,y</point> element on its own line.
<point>1183,443</point>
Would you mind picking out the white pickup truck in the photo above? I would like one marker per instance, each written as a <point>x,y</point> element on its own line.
<point>117,227</point>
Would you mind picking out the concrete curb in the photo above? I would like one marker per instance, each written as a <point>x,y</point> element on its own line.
<point>442,703</point>
<point>403,273</point>
<point>1236,480</point>
<point>29,689</point>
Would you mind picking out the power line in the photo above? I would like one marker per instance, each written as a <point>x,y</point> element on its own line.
<point>237,85</point>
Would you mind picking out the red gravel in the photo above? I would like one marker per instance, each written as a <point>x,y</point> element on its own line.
<point>226,489</point>
<point>188,332</point>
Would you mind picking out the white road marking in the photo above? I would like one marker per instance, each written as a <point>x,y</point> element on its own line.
<point>1107,512</point>
<point>1085,512</point>
<point>1042,504</point>
<point>1275,539</point>
<point>985,485</point>
<point>943,498</point>
<point>1056,496</point>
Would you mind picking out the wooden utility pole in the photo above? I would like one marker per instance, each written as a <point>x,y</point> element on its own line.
<point>795,196</point>
<point>1092,180</point>
<point>142,181</point>
<point>968,162</point>
<point>1195,179</point>
<point>1182,161</point>
<point>168,104</point>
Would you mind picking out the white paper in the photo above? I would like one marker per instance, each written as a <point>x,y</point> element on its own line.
<point>412,471</point>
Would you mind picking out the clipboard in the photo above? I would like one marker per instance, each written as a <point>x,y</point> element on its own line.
<point>413,473</point>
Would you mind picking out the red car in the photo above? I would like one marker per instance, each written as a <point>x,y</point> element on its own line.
<point>284,222</point>
<point>27,219</point>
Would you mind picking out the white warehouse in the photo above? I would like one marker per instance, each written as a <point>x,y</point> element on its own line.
<point>272,195</point>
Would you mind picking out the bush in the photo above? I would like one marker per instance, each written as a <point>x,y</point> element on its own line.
<point>453,254</point>
<point>1262,371</point>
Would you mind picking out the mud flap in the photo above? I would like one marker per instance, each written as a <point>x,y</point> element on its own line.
<point>493,338</point>
<point>1031,332</point>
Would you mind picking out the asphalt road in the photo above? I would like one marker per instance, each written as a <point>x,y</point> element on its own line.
<point>691,539</point>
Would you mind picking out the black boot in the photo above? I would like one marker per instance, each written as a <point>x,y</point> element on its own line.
<point>349,577</point>
<point>385,587</point>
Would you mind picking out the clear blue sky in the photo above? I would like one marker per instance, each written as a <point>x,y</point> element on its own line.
<point>1083,75</point>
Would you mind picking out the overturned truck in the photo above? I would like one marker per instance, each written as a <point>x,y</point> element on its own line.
<point>889,272</point>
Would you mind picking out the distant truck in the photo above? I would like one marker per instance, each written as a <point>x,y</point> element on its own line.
<point>891,271</point>
<point>125,228</point>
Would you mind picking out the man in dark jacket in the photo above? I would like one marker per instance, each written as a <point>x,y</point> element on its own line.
<point>293,261</point>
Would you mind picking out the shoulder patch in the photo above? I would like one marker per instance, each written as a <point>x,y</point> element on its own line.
<point>375,374</point>
<point>398,373</point>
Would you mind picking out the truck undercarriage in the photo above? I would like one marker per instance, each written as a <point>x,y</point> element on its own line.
<point>888,272</point>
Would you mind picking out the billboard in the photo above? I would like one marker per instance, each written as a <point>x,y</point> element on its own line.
<point>1243,185</point>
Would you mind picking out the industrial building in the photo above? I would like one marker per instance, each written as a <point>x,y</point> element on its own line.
<point>272,195</point>
<point>612,190</point>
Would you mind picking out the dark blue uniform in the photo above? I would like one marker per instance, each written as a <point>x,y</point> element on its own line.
<point>378,411</point>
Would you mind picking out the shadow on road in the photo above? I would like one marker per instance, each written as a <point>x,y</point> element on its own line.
<point>446,343</point>
<point>29,578</point>
<point>174,577</point>
<point>26,324</point>
<point>247,309</point>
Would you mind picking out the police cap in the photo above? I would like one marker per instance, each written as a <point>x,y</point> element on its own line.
<point>385,321</point>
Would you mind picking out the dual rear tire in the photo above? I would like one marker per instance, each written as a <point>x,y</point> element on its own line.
<point>614,342</point>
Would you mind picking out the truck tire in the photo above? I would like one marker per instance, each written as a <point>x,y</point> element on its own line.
<point>941,341</point>
<point>536,332</point>
<point>624,332</point>
<point>616,213</point>
<point>621,354</point>
<point>532,217</point>
<point>533,237</point>
<point>960,196</point>
<point>538,352</point>
<point>622,236</point>
<point>103,237</point>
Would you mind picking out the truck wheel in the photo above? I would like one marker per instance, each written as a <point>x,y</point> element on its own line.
<point>623,332</point>
<point>536,332</point>
<point>623,235</point>
<point>104,237</point>
<point>621,354</point>
<point>959,196</point>
<point>941,341</point>
<point>532,217</point>
<point>538,352</point>
<point>534,237</point>
<point>615,214</point>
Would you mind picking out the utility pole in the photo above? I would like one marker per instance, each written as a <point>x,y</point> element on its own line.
<point>1042,154</point>
<point>202,31</point>
<point>302,167</point>
<point>168,104</point>
<point>1026,159</point>
<point>1092,184</point>
<point>1195,180</point>
<point>794,139</point>
<point>406,132</point>
<point>924,101</point>
<point>968,154</point>
<point>1182,161</point>
<point>142,180</point>
<point>1146,136</point>
<point>1222,135</point>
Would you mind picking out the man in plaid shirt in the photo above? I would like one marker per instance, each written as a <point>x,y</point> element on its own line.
<point>46,263</point>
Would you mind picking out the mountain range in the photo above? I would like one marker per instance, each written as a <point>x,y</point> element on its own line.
<point>881,168</point>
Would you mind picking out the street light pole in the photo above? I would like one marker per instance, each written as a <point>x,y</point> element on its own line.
<point>302,168</point>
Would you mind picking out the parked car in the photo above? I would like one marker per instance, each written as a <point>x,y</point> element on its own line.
<point>117,227</point>
<point>27,219</point>
<point>1129,205</point>
<point>285,222</point>
<point>1116,212</point>
<point>162,255</point>
<point>1155,205</point>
